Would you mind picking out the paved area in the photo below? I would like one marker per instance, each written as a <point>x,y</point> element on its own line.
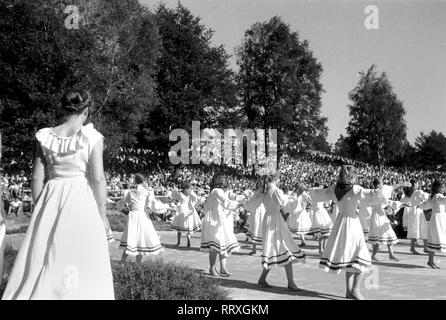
<point>410,278</point>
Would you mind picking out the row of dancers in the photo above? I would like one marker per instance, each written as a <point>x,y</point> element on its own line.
<point>341,237</point>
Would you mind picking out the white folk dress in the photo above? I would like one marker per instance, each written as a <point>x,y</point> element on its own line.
<point>365,213</point>
<point>299,220</point>
<point>321,221</point>
<point>417,224</point>
<point>255,219</point>
<point>65,253</point>
<point>381,231</point>
<point>139,236</point>
<point>2,241</point>
<point>186,218</point>
<point>217,233</point>
<point>346,248</point>
<point>279,248</point>
<point>436,235</point>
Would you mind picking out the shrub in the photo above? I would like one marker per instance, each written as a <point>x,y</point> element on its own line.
<point>10,255</point>
<point>160,280</point>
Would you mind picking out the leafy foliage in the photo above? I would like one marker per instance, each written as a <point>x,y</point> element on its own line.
<point>279,82</point>
<point>113,54</point>
<point>194,81</point>
<point>377,130</point>
<point>160,280</point>
<point>431,149</point>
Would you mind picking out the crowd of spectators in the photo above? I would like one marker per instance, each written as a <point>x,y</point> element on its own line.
<point>312,168</point>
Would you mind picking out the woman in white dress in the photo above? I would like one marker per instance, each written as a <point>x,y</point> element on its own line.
<point>436,236</point>
<point>299,221</point>
<point>365,213</point>
<point>186,218</point>
<point>140,237</point>
<point>346,248</point>
<point>321,223</point>
<point>65,253</point>
<point>279,248</point>
<point>217,233</point>
<point>381,231</point>
<point>255,206</point>
<point>2,233</point>
<point>417,224</point>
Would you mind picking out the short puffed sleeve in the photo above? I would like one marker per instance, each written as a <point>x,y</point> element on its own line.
<point>92,135</point>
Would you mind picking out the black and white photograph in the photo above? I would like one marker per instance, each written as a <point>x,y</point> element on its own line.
<point>243,151</point>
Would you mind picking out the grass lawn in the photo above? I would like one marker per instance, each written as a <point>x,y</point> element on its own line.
<point>117,222</point>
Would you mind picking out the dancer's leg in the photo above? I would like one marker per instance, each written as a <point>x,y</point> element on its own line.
<point>124,257</point>
<point>223,269</point>
<point>431,262</point>
<point>290,278</point>
<point>188,239</point>
<point>178,238</point>
<point>391,253</point>
<point>349,284</point>
<point>375,251</point>
<point>302,238</point>
<point>138,258</point>
<point>412,246</point>
<point>356,294</point>
<point>212,260</point>
<point>262,279</point>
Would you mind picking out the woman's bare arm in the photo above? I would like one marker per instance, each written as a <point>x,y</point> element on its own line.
<point>98,177</point>
<point>38,175</point>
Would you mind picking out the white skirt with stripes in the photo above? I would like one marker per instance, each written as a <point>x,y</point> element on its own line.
<point>279,248</point>
<point>140,237</point>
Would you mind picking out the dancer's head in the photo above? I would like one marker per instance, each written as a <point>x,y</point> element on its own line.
<point>185,186</point>
<point>377,183</point>
<point>77,103</point>
<point>347,175</point>
<point>219,181</point>
<point>413,183</point>
<point>139,178</point>
<point>437,187</point>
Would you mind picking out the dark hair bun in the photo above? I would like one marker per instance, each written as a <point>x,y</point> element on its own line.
<point>76,101</point>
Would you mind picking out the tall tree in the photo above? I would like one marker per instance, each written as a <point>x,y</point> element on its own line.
<point>279,83</point>
<point>194,80</point>
<point>431,149</point>
<point>112,53</point>
<point>377,130</point>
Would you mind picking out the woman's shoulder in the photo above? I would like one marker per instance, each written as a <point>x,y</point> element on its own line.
<point>91,133</point>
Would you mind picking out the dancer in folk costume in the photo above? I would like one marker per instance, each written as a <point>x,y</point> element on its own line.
<point>321,223</point>
<point>346,248</point>
<point>140,237</point>
<point>2,234</point>
<point>67,234</point>
<point>255,206</point>
<point>217,233</point>
<point>381,231</point>
<point>436,235</point>
<point>365,213</point>
<point>406,200</point>
<point>417,223</point>
<point>299,221</point>
<point>279,248</point>
<point>186,218</point>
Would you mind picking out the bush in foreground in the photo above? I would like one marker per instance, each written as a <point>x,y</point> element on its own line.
<point>152,280</point>
<point>160,280</point>
<point>10,255</point>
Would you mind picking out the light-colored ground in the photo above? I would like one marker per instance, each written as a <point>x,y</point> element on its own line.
<point>410,278</point>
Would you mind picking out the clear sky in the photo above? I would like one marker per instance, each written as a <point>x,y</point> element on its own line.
<point>410,46</point>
